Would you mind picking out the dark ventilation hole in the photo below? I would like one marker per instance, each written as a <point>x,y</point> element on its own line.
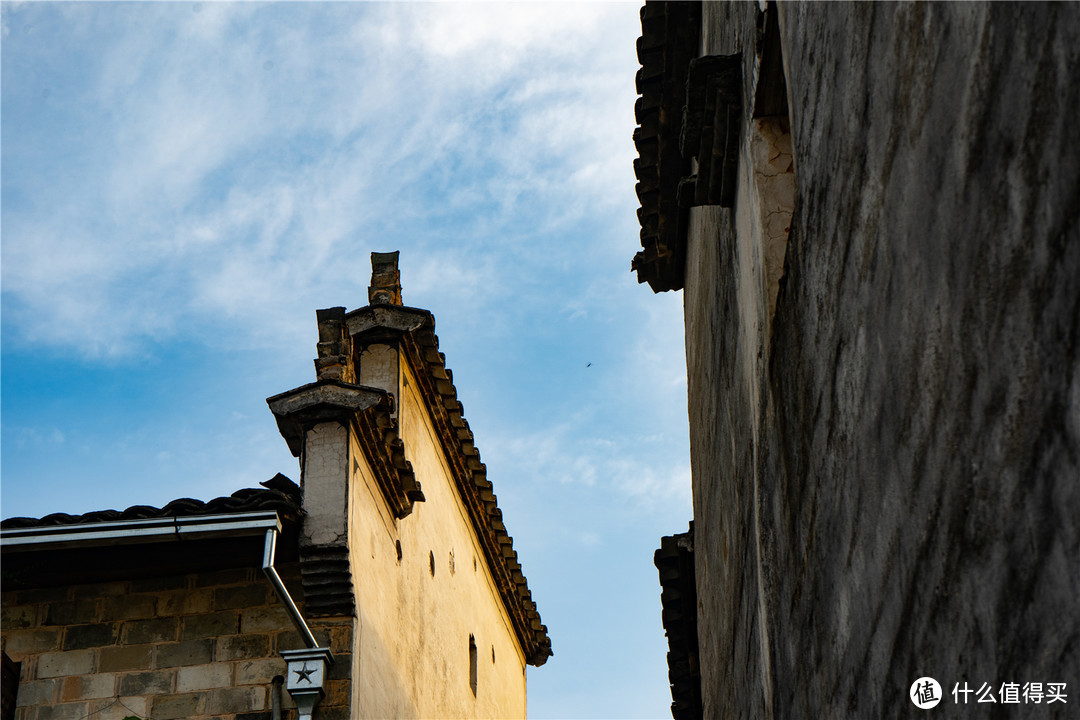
<point>472,664</point>
<point>474,563</point>
<point>431,561</point>
<point>397,545</point>
<point>492,654</point>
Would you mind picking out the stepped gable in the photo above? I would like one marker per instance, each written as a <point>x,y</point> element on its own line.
<point>413,330</point>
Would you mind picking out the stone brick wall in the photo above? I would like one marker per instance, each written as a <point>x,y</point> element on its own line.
<point>194,646</point>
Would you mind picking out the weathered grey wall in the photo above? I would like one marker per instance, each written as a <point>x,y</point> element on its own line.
<point>894,489</point>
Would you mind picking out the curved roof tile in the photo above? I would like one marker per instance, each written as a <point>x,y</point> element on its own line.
<point>279,494</point>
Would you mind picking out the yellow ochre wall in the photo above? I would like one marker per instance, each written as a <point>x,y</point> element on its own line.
<point>414,625</point>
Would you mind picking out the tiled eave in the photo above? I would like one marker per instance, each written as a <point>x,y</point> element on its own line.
<point>678,598</point>
<point>280,495</point>
<point>414,329</point>
<point>669,40</point>
<point>184,536</point>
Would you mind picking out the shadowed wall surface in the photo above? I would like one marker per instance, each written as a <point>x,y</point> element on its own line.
<point>886,479</point>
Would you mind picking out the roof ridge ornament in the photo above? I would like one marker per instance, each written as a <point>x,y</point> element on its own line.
<point>385,288</point>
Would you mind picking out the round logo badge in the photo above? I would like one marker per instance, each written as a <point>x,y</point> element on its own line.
<point>925,693</point>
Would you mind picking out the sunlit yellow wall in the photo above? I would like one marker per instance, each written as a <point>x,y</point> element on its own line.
<point>414,626</point>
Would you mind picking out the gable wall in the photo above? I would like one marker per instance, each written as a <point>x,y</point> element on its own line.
<point>413,641</point>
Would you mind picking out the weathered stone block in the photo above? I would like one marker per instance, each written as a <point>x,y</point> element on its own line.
<point>241,596</point>
<point>152,682</point>
<point>186,652</point>
<point>240,647</point>
<point>341,668</point>
<point>88,687</point>
<point>259,672</point>
<point>125,657</point>
<point>19,616</point>
<point>119,708</point>
<point>334,713</point>
<point>171,707</point>
<point>148,631</point>
<point>337,693</point>
<point>240,699</point>
<point>189,602</point>
<point>212,625</point>
<point>340,637</point>
<point>264,619</point>
<point>66,711</point>
<point>57,664</point>
<point>264,715</point>
<point>31,641</point>
<point>128,607</point>
<point>73,612</point>
<point>78,637</point>
<point>37,692</point>
<point>288,640</point>
<point>204,677</point>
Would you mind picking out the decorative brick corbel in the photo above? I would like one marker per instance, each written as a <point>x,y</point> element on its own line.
<point>335,357</point>
<point>712,122</point>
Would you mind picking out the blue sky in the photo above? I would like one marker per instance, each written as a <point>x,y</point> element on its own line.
<point>183,185</point>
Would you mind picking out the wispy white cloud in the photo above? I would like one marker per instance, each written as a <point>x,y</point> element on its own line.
<point>252,156</point>
<point>38,436</point>
<point>641,471</point>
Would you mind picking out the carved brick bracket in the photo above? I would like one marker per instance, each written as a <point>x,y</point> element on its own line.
<point>368,412</point>
<point>712,121</point>
<point>298,410</point>
<point>334,361</point>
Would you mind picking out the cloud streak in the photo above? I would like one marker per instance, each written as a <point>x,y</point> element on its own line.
<point>235,144</point>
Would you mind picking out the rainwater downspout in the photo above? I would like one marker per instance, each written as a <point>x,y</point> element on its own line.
<point>269,551</point>
<point>275,697</point>
<point>306,674</point>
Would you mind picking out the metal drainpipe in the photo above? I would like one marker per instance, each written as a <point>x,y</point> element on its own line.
<point>306,673</point>
<point>269,551</point>
<point>275,697</point>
